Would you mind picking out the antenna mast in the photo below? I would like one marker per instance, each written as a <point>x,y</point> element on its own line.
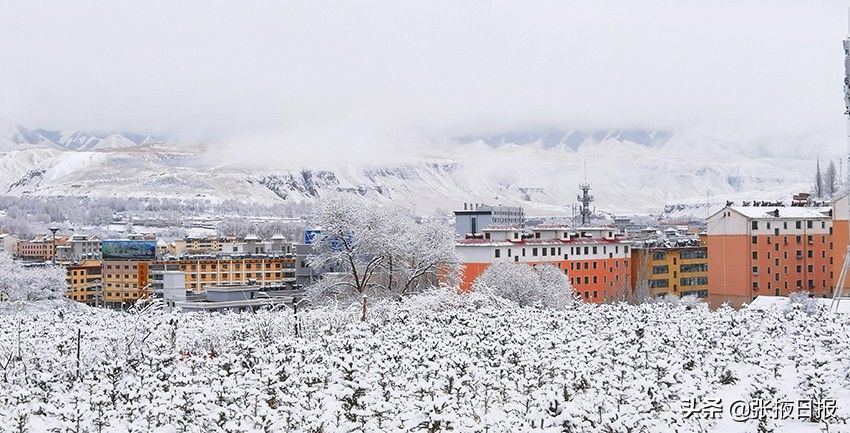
<point>585,199</point>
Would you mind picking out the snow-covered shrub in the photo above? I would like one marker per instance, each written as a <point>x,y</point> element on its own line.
<point>541,285</point>
<point>802,301</point>
<point>35,283</point>
<point>460,366</point>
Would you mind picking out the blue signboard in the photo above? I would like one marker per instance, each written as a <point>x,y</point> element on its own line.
<point>128,249</point>
<point>311,235</point>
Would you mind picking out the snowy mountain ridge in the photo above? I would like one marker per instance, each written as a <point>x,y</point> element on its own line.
<point>686,173</point>
<point>16,137</point>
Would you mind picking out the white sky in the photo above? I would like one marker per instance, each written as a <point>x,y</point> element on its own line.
<point>371,72</point>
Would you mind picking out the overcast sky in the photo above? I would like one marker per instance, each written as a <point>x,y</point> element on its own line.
<point>396,71</point>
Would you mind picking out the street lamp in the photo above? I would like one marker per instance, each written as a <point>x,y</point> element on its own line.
<point>53,230</point>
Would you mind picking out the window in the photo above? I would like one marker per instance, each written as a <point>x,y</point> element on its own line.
<point>697,267</point>
<point>755,255</point>
<point>755,240</point>
<point>799,224</point>
<point>534,252</point>
<point>498,253</point>
<point>544,251</point>
<point>808,224</point>
<point>755,225</point>
<point>693,254</point>
<point>659,255</point>
<point>755,269</point>
<point>693,281</point>
<point>663,269</point>
<point>654,284</point>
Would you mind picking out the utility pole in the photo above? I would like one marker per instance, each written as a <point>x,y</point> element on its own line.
<point>53,230</point>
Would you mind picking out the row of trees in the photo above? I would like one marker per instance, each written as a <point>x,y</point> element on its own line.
<point>826,183</point>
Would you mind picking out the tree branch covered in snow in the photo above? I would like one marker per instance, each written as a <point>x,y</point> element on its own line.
<point>378,251</point>
<point>30,283</point>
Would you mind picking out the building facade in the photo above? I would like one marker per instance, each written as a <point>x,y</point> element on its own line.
<point>124,281</point>
<point>595,260</point>
<point>475,216</point>
<point>204,271</point>
<point>676,271</point>
<point>769,250</point>
<point>39,248</point>
<point>84,281</point>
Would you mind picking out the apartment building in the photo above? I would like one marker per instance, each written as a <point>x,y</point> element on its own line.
<point>79,247</point>
<point>671,270</point>
<point>203,271</point>
<point>124,281</point>
<point>125,268</point>
<point>84,281</point>
<point>596,260</point>
<point>39,248</point>
<point>769,250</point>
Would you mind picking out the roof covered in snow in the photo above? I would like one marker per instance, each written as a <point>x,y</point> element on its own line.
<point>796,212</point>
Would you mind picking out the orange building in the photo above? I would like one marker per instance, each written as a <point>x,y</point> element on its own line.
<point>124,281</point>
<point>595,260</point>
<point>769,250</point>
<point>840,238</point>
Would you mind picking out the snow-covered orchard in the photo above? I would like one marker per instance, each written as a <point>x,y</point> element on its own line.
<point>433,362</point>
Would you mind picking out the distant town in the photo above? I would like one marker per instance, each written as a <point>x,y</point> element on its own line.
<point>745,250</point>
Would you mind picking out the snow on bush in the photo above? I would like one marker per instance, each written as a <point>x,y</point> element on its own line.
<point>434,362</point>
<point>541,285</point>
<point>21,283</point>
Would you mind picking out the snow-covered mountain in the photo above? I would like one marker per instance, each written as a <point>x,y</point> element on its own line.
<point>632,171</point>
<point>17,137</point>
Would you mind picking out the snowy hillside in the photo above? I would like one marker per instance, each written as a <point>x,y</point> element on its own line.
<point>436,363</point>
<point>631,171</point>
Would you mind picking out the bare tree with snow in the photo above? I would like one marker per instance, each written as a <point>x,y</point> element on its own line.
<point>379,251</point>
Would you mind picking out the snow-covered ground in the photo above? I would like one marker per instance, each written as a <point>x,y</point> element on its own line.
<point>433,363</point>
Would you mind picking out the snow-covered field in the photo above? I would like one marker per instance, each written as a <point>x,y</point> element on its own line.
<point>433,363</point>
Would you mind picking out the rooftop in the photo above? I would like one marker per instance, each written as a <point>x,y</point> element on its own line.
<point>535,241</point>
<point>796,212</point>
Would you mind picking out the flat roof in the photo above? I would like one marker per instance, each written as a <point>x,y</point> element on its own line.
<point>795,212</point>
